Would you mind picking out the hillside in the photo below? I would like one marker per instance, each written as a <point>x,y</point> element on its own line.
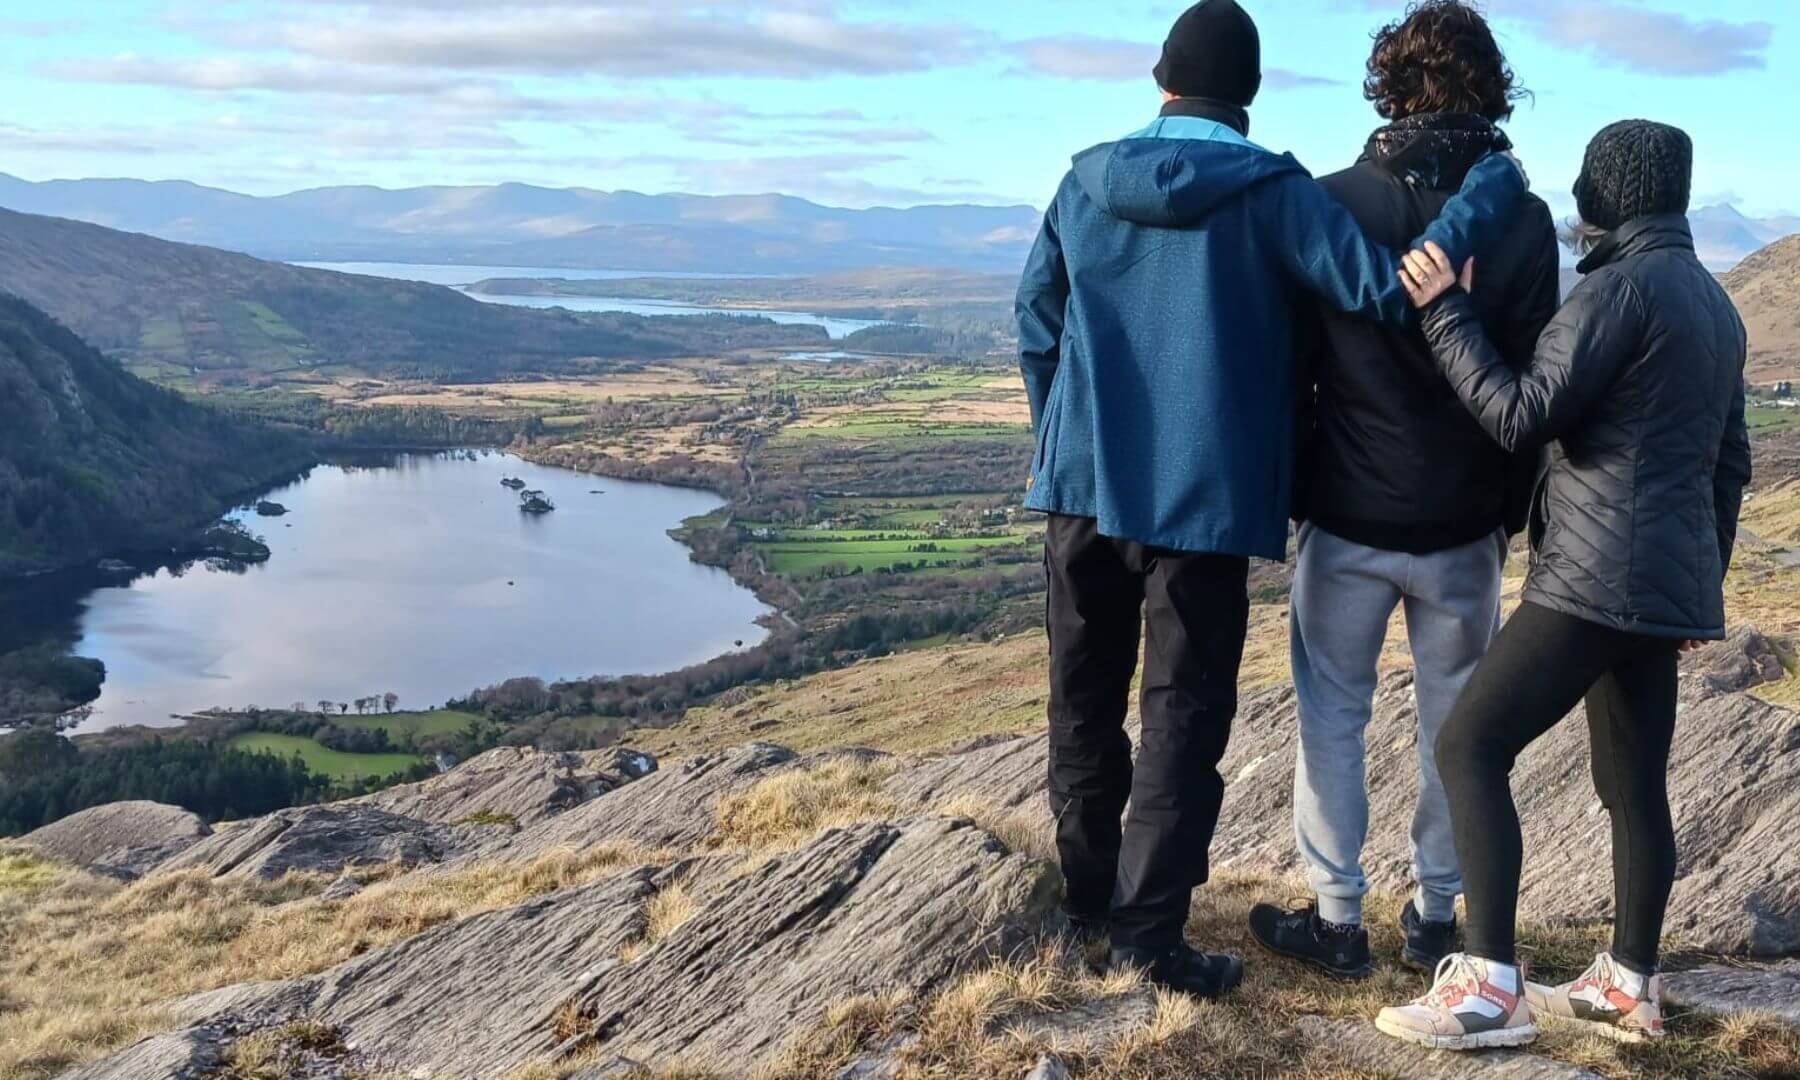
<point>1766,288</point>
<point>178,311</point>
<point>522,225</point>
<point>95,461</point>
<point>1725,236</point>
<point>758,912</point>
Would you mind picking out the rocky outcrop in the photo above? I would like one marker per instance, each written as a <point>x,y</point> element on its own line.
<point>120,839</point>
<point>1747,659</point>
<point>860,910</point>
<point>516,785</point>
<point>1734,786</point>
<point>670,808</point>
<point>319,840</point>
<point>1773,990</point>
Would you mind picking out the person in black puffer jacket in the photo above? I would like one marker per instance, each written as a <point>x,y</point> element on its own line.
<point>1639,381</point>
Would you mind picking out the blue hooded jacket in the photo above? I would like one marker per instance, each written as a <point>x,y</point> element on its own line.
<point>1156,328</point>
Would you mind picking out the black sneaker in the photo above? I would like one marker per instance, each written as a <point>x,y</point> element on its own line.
<point>1185,970</point>
<point>1427,943</point>
<point>1302,935</point>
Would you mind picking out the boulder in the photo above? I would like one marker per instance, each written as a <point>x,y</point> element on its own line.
<point>670,808</point>
<point>1746,659</point>
<point>122,839</point>
<point>1772,990</point>
<point>319,840</point>
<point>1734,784</point>
<point>515,785</point>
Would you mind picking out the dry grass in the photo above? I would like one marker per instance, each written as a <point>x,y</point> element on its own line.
<point>1027,832</point>
<point>666,911</point>
<point>87,961</point>
<point>786,810</point>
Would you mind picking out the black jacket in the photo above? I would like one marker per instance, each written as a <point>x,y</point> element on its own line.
<point>1393,460</point>
<point>1640,380</point>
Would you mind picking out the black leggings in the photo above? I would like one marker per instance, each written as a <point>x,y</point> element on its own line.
<point>1540,666</point>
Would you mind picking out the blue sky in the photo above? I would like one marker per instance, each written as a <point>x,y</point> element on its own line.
<point>850,102</point>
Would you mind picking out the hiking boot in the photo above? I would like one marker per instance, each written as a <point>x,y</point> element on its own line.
<point>1302,935</point>
<point>1612,1001</point>
<point>1427,942</point>
<point>1086,928</point>
<point>1188,971</point>
<point>1472,1004</point>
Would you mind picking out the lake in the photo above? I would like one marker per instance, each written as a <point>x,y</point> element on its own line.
<point>460,277</point>
<point>417,575</point>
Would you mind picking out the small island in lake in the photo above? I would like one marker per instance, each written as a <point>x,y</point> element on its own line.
<point>535,502</point>
<point>513,482</point>
<point>265,508</point>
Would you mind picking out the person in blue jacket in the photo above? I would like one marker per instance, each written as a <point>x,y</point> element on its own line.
<point>1156,323</point>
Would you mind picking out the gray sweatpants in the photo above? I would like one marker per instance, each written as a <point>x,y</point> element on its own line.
<point>1343,596</point>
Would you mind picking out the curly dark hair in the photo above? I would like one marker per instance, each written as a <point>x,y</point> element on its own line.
<point>1441,58</point>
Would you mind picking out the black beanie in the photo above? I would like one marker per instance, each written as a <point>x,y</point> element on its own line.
<point>1213,52</point>
<point>1634,169</point>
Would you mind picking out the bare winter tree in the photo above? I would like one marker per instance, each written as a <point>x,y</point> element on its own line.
<point>390,699</point>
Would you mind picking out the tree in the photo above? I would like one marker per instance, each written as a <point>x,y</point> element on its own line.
<point>343,708</point>
<point>34,752</point>
<point>389,700</point>
<point>324,707</point>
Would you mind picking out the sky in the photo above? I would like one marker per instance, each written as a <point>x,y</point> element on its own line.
<point>847,102</point>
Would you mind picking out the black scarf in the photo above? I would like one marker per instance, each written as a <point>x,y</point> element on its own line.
<point>1219,112</point>
<point>1435,151</point>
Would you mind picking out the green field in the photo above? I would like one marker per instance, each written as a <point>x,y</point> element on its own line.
<point>794,556</point>
<point>326,762</point>
<point>421,724</point>
<point>1770,418</point>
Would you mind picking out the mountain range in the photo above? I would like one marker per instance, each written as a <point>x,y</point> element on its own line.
<point>1724,236</point>
<point>179,312</point>
<point>522,225</point>
<point>1766,289</point>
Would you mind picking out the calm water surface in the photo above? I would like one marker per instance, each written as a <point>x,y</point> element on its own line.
<point>421,577</point>
<point>458,277</point>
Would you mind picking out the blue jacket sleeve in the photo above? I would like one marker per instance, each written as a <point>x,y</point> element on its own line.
<point>1324,249</point>
<point>1041,309</point>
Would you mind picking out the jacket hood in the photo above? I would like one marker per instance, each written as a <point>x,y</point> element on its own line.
<point>1435,151</point>
<point>1173,183</point>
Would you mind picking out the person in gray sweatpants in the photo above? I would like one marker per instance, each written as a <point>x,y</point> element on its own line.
<point>1407,503</point>
<point>1344,596</point>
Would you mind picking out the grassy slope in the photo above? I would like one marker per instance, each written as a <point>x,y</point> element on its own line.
<point>323,760</point>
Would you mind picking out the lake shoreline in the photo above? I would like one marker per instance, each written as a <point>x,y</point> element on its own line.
<point>763,622</point>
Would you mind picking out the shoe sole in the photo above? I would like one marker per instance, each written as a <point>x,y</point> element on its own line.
<point>1480,1040</point>
<point>1627,1036</point>
<point>1353,975</point>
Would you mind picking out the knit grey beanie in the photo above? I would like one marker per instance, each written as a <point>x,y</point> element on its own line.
<point>1634,169</point>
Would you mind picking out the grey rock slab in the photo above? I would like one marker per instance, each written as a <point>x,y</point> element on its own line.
<point>1048,1067</point>
<point>469,1000</point>
<point>1357,1043</point>
<point>521,784</point>
<point>1730,990</point>
<point>862,910</point>
<point>318,839</point>
<point>999,771</point>
<point>672,807</point>
<point>180,1055</point>
<point>122,839</point>
<point>1734,786</point>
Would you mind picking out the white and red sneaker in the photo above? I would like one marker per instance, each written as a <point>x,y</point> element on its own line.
<point>1608,998</point>
<point>1472,1004</point>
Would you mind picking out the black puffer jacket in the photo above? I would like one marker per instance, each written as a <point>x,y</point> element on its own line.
<point>1640,380</point>
<point>1391,459</point>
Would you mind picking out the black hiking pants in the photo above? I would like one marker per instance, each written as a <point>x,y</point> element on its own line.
<point>1542,665</point>
<point>1192,611</point>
